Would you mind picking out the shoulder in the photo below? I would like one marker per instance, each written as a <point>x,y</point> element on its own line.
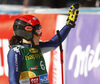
<point>14,52</point>
<point>16,48</point>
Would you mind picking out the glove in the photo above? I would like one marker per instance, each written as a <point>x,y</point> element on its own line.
<point>72,15</point>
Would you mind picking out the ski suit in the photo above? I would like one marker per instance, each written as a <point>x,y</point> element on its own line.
<point>26,63</point>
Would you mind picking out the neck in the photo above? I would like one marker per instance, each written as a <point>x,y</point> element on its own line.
<point>25,41</point>
<point>36,42</point>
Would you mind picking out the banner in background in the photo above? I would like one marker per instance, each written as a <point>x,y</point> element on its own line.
<point>83,51</point>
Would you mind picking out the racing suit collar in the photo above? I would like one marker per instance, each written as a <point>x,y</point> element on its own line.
<point>27,45</point>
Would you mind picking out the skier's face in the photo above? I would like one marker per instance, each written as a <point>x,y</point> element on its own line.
<point>36,39</point>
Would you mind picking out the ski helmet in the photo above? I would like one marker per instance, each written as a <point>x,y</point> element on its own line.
<point>25,26</point>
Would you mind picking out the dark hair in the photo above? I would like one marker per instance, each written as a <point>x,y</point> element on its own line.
<point>15,40</point>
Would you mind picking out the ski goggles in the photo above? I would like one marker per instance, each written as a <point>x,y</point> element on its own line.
<point>38,30</point>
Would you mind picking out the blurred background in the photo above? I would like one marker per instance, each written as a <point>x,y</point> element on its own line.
<point>52,3</point>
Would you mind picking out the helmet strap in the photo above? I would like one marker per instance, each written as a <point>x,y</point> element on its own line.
<point>32,43</point>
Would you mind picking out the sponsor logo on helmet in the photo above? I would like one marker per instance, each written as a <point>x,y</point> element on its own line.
<point>33,50</point>
<point>28,28</point>
<point>34,18</point>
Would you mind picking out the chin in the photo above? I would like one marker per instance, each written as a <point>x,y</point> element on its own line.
<point>37,44</point>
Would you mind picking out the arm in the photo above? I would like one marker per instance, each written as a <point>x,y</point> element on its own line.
<point>54,42</point>
<point>14,64</point>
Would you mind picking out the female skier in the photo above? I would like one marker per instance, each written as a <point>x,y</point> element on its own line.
<point>25,57</point>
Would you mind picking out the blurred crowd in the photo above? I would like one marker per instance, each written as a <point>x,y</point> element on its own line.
<point>51,3</point>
